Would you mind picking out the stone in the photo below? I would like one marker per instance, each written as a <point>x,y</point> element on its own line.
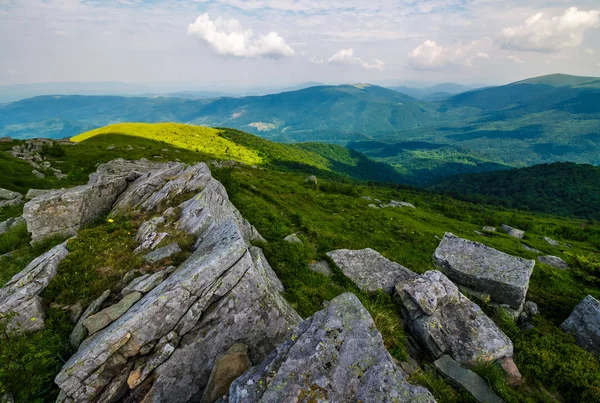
<point>584,324</point>
<point>111,147</point>
<point>373,205</point>
<point>108,315</point>
<point>515,233</point>
<point>551,241</point>
<point>144,284</point>
<point>394,203</point>
<point>513,375</point>
<point>33,193</point>
<point>488,229</point>
<point>162,253</point>
<point>336,355</point>
<point>367,198</point>
<point>531,308</point>
<point>9,198</point>
<point>228,366</point>
<point>530,249</point>
<point>311,179</point>
<point>6,397</point>
<point>553,261</point>
<point>466,379</point>
<point>79,332</point>
<point>504,277</point>
<point>446,322</point>
<point>321,267</point>
<point>293,238</point>
<point>10,223</point>
<point>369,270</point>
<point>148,234</point>
<point>38,174</point>
<point>19,298</point>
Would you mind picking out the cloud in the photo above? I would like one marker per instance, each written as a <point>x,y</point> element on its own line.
<point>541,33</point>
<point>346,56</point>
<point>431,56</point>
<point>227,37</point>
<point>590,51</point>
<point>516,59</point>
<point>316,61</point>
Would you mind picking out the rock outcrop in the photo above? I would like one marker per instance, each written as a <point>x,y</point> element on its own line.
<point>336,355</point>
<point>369,270</point>
<point>447,322</point>
<point>515,233</point>
<point>504,277</point>
<point>553,261</point>
<point>19,298</point>
<point>584,324</point>
<point>164,347</point>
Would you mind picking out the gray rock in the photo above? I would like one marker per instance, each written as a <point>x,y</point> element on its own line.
<point>144,284</point>
<point>6,397</point>
<point>148,234</point>
<point>33,193</point>
<point>513,375</point>
<point>108,315</point>
<point>584,324</point>
<point>466,379</point>
<point>228,366</point>
<point>530,249</point>
<point>515,233</point>
<point>395,203</point>
<point>551,241</point>
<point>111,147</point>
<point>367,198</point>
<point>311,179</point>
<point>531,308</point>
<point>9,198</point>
<point>336,355</point>
<point>164,347</point>
<point>79,332</point>
<point>446,322</point>
<point>162,253</point>
<point>321,267</point>
<point>38,174</point>
<point>489,229</point>
<point>472,264</point>
<point>293,238</point>
<point>369,270</point>
<point>553,261</point>
<point>10,223</point>
<point>373,205</point>
<point>20,299</point>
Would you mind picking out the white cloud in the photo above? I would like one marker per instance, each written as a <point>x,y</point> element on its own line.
<point>227,37</point>
<point>346,56</point>
<point>590,51</point>
<point>549,34</point>
<point>431,56</point>
<point>517,60</point>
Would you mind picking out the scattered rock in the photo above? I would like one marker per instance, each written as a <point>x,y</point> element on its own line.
<point>515,233</point>
<point>373,206</point>
<point>584,324</point>
<point>144,284</point>
<point>513,375</point>
<point>108,315</point>
<point>504,277</point>
<point>311,179</point>
<point>79,331</point>
<point>9,198</point>
<point>367,198</point>
<point>321,267</point>
<point>489,229</point>
<point>466,379</point>
<point>531,308</point>
<point>20,296</point>
<point>336,355</point>
<point>395,203</point>
<point>6,397</point>
<point>553,261</point>
<point>33,193</point>
<point>447,322</point>
<point>38,174</point>
<point>551,241</point>
<point>530,249</point>
<point>228,366</point>
<point>293,238</point>
<point>10,223</point>
<point>369,270</point>
<point>111,147</point>
<point>162,253</point>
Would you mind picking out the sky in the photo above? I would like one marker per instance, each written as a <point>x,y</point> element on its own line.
<point>224,44</point>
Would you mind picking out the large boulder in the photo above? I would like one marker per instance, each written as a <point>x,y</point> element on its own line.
<point>165,346</point>
<point>369,270</point>
<point>584,324</point>
<point>19,298</point>
<point>472,264</point>
<point>447,322</point>
<point>336,355</point>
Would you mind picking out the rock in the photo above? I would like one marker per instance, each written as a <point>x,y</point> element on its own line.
<point>466,379</point>
<point>148,234</point>
<point>531,308</point>
<point>311,179</point>
<point>6,397</point>
<point>9,198</point>
<point>530,249</point>
<point>553,261</point>
<point>38,174</point>
<point>369,270</point>
<point>321,267</point>
<point>515,233</point>
<point>33,193</point>
<point>373,206</point>
<point>108,315</point>
<point>472,264</point>
<point>336,355</point>
<point>162,253</point>
<point>228,366</point>
<point>584,324</point>
<point>10,223</point>
<point>513,375</point>
<point>75,312</point>
<point>293,238</point>
<point>488,229</point>
<point>144,284</point>
<point>111,147</point>
<point>447,322</point>
<point>395,203</point>
<point>164,347</point>
<point>551,241</point>
<point>367,198</point>
<point>79,331</point>
<point>19,298</point>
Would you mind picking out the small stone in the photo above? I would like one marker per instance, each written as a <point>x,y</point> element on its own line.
<point>293,238</point>
<point>515,233</point>
<point>531,308</point>
<point>38,174</point>
<point>33,193</point>
<point>227,367</point>
<point>513,375</point>
<point>367,198</point>
<point>321,267</point>
<point>530,249</point>
<point>489,229</point>
<point>551,241</point>
<point>162,253</point>
<point>553,261</point>
<point>111,147</point>
<point>311,179</point>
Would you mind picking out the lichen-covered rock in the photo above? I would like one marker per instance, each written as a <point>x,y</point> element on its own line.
<point>79,331</point>
<point>369,270</point>
<point>162,253</point>
<point>446,322</point>
<point>144,284</point>
<point>19,298</point>
<point>108,315</point>
<point>228,366</point>
<point>504,277</point>
<point>9,198</point>
<point>584,324</point>
<point>553,261</point>
<point>336,355</point>
<point>515,233</point>
<point>321,267</point>
<point>10,223</point>
<point>33,193</point>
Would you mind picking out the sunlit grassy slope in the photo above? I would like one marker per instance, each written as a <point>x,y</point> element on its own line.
<point>203,139</point>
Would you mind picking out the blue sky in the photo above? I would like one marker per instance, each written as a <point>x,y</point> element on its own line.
<point>248,43</point>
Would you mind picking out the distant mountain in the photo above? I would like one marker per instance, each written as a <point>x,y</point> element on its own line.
<point>437,92</point>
